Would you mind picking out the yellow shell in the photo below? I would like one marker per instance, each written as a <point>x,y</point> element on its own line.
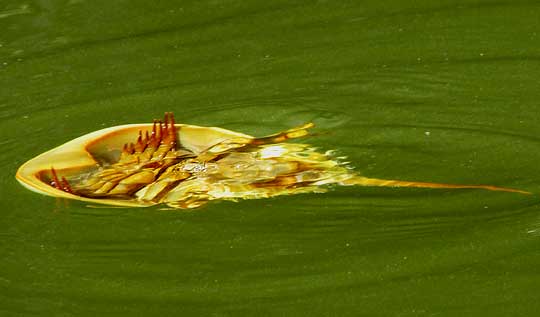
<point>88,150</point>
<point>185,166</point>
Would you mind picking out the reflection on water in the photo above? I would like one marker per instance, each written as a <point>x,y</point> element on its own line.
<point>434,91</point>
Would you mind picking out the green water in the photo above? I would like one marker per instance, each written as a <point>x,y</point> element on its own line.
<point>441,91</point>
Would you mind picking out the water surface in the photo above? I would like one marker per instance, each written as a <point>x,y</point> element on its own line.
<point>441,91</point>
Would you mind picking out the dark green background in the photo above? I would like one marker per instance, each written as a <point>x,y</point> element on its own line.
<point>443,91</point>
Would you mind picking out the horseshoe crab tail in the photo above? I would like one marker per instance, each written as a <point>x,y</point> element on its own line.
<point>365,181</point>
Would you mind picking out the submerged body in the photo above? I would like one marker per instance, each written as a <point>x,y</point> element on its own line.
<point>186,166</point>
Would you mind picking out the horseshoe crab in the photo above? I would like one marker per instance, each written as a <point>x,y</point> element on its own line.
<point>185,166</point>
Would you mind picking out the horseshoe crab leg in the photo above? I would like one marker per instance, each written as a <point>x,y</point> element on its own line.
<point>239,142</point>
<point>61,184</point>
